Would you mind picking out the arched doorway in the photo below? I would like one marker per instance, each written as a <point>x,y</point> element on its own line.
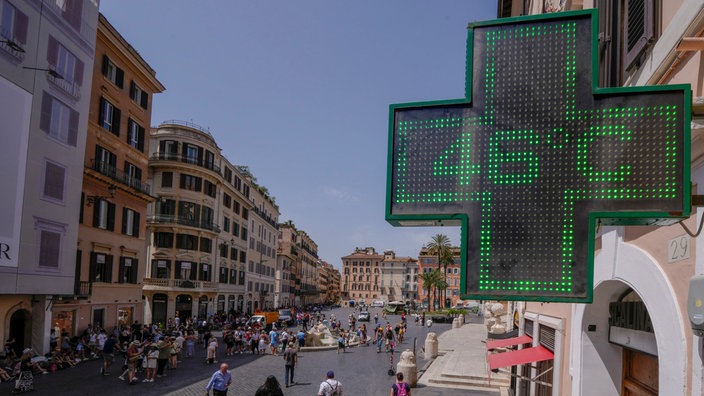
<point>184,307</point>
<point>159,305</point>
<point>203,307</point>
<point>599,368</point>
<point>21,330</point>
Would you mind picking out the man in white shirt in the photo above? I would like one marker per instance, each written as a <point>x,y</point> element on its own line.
<point>331,386</point>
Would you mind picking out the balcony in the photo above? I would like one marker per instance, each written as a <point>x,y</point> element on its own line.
<point>119,176</point>
<point>10,46</point>
<point>186,159</point>
<point>184,284</point>
<point>71,88</point>
<point>82,289</point>
<point>173,219</point>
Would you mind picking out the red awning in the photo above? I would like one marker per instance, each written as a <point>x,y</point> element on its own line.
<point>521,356</point>
<point>524,339</point>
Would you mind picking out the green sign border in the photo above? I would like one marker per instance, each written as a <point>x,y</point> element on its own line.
<point>611,218</point>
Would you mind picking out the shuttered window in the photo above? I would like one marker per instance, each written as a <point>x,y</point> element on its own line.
<point>547,337</point>
<point>528,327</point>
<point>639,29</point>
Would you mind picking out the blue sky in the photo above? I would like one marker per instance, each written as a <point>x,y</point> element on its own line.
<point>299,91</point>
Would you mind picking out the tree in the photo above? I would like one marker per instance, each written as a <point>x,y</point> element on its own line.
<point>430,280</point>
<point>440,246</point>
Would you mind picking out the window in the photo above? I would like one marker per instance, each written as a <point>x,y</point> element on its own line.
<point>54,181</point>
<point>71,12</point>
<point>189,182</point>
<point>206,245</point>
<point>209,189</point>
<point>245,213</point>
<point>164,239</point>
<point>244,234</point>
<point>228,174</point>
<point>233,276</point>
<point>185,241</point>
<point>166,207</point>
<point>161,269</point>
<point>192,154</point>
<point>209,160</point>
<point>167,179</point>
<point>100,267</point>
<point>109,117</point>
<point>135,135</point>
<point>130,222</point>
<point>13,23</point>
<point>241,278</point>
<point>204,273</point>
<point>49,249</point>
<point>138,95</point>
<point>168,149</point>
<point>128,270</point>
<point>223,250</point>
<point>58,120</point>
<point>133,175</point>
<point>105,161</point>
<point>233,254</point>
<point>226,200</point>
<point>226,224</point>
<point>222,278</point>
<point>243,256</point>
<point>189,212</point>
<point>104,215</point>
<point>236,208</point>
<point>65,63</point>
<point>112,72</point>
<point>185,270</point>
<point>235,229</point>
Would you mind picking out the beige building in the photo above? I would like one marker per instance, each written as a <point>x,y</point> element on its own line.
<point>635,337</point>
<point>46,50</point>
<point>193,260</point>
<point>287,265</point>
<point>361,276</point>
<point>263,240</point>
<point>398,278</point>
<point>112,258</point>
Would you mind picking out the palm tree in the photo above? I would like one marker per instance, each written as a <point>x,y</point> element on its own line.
<point>429,279</point>
<point>440,246</point>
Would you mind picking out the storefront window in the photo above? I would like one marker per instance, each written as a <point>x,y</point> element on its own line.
<point>124,316</point>
<point>63,322</point>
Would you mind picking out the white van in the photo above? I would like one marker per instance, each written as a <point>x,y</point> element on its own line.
<point>377,303</point>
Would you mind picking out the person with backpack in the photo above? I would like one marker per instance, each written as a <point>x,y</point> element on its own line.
<point>400,388</point>
<point>291,359</point>
<point>331,386</point>
<point>390,338</point>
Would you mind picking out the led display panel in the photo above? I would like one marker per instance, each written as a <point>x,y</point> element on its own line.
<point>535,156</point>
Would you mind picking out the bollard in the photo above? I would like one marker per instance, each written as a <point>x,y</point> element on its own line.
<point>407,366</point>
<point>456,323</point>
<point>462,321</point>
<point>431,345</point>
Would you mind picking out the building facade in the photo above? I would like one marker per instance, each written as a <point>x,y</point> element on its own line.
<point>361,275</point>
<point>288,265</point>
<point>45,47</point>
<point>398,278</point>
<point>263,240</point>
<point>111,256</point>
<point>451,274</point>
<point>186,240</point>
<point>635,337</point>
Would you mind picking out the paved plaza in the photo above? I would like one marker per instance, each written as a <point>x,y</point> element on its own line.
<point>361,370</point>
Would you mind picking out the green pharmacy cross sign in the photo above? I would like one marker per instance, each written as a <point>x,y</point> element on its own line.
<point>536,156</point>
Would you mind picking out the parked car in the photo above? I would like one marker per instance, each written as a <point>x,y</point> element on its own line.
<point>363,316</point>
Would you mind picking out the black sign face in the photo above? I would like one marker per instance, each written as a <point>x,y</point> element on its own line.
<point>536,157</point>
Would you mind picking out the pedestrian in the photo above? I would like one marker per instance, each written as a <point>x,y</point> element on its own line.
<point>220,381</point>
<point>134,353</point>
<point>108,354</point>
<point>164,347</point>
<point>301,336</point>
<point>331,386</point>
<point>400,388</point>
<point>341,342</point>
<point>291,359</point>
<point>270,387</point>
<point>212,349</point>
<point>151,355</point>
<point>390,337</point>
<point>379,338</point>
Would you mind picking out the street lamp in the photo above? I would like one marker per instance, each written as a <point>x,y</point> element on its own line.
<point>13,45</point>
<point>51,72</point>
<point>92,199</point>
